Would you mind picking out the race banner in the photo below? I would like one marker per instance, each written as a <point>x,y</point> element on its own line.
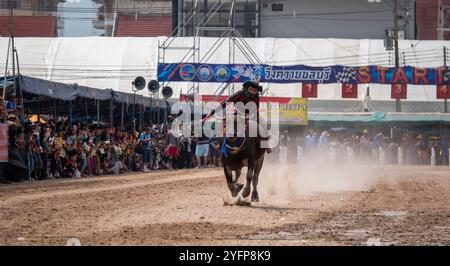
<point>292,111</point>
<point>442,92</point>
<point>239,73</point>
<point>398,91</point>
<point>349,90</point>
<point>309,90</point>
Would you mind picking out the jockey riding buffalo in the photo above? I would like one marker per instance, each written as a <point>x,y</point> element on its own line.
<point>239,151</point>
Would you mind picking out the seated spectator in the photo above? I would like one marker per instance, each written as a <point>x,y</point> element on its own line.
<point>11,105</point>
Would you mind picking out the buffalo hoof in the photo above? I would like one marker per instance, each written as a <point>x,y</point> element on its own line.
<point>238,187</point>
<point>255,197</point>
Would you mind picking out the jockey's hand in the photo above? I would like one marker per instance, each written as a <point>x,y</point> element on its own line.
<point>206,118</point>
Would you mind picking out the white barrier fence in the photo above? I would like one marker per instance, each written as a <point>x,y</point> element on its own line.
<point>330,156</point>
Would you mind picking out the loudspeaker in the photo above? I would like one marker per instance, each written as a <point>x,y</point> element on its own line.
<point>139,83</point>
<point>153,86</point>
<point>167,92</point>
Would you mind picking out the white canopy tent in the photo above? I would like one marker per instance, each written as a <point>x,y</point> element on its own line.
<point>112,63</point>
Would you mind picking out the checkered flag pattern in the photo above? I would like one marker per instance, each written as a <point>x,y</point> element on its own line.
<point>347,75</point>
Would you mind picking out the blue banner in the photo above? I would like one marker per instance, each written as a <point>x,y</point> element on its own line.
<point>239,73</point>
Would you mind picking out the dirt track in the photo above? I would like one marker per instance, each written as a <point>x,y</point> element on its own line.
<point>405,206</point>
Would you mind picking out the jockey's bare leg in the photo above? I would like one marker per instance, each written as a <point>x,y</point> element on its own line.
<point>264,134</point>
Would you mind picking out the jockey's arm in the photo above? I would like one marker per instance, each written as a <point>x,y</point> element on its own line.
<point>236,97</point>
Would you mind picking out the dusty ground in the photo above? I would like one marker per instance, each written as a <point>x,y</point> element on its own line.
<point>400,206</point>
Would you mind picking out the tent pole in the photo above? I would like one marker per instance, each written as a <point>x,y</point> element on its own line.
<point>98,112</point>
<point>165,113</point>
<point>38,110</point>
<point>140,117</point>
<point>13,64</point>
<point>54,109</point>
<point>134,114</point>
<point>6,68</point>
<point>86,110</point>
<point>158,113</point>
<point>151,113</point>
<point>19,77</point>
<point>70,113</point>
<point>121,118</point>
<point>111,122</point>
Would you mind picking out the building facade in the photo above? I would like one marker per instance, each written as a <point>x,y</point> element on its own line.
<point>134,18</point>
<point>429,19</point>
<point>31,18</point>
<point>351,19</point>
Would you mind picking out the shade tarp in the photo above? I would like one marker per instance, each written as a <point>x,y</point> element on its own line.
<point>68,92</point>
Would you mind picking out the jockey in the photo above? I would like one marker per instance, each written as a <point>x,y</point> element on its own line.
<point>249,93</point>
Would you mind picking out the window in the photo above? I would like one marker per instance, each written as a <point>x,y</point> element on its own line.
<point>10,4</point>
<point>43,6</point>
<point>277,7</point>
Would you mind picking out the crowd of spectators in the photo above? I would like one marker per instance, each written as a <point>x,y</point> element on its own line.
<point>411,148</point>
<point>55,149</point>
<point>58,149</point>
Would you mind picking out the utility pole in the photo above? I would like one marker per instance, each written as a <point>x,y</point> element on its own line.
<point>441,25</point>
<point>441,19</point>
<point>397,62</point>
<point>445,64</point>
<point>11,34</point>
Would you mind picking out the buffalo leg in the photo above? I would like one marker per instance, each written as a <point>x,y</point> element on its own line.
<point>258,166</point>
<point>237,186</point>
<point>229,176</point>
<point>238,174</point>
<point>250,170</point>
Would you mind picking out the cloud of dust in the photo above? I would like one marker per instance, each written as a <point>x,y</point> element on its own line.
<point>281,182</point>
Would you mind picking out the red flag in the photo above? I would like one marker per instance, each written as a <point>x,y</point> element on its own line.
<point>309,90</point>
<point>442,91</point>
<point>398,91</point>
<point>349,90</point>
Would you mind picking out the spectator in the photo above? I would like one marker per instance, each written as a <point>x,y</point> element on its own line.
<point>11,105</point>
<point>442,148</point>
<point>365,146</point>
<point>422,149</point>
<point>323,141</point>
<point>146,141</point>
<point>185,152</point>
<point>172,148</point>
<point>201,151</point>
<point>214,152</point>
<point>377,144</point>
<point>310,142</point>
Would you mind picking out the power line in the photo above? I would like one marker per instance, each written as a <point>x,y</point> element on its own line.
<point>91,9</point>
<point>375,57</point>
<point>330,13</point>
<point>77,75</point>
<point>328,19</point>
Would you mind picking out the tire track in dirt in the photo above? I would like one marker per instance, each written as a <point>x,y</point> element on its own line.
<point>101,185</point>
